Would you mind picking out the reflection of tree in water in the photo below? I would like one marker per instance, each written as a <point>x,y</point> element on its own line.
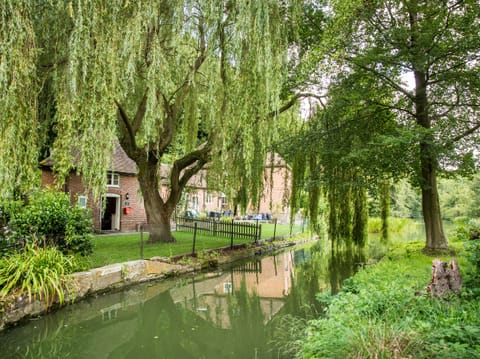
<point>247,323</point>
<point>52,340</point>
<point>169,330</point>
<point>343,263</point>
<point>306,283</point>
<point>164,328</point>
<point>326,268</point>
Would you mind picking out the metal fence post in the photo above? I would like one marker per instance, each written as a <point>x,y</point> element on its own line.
<point>275,229</point>
<point>141,241</point>
<point>194,237</point>
<point>231,236</point>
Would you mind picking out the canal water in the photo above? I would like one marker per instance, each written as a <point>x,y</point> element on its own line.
<point>249,310</point>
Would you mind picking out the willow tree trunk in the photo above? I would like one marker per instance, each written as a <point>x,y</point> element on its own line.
<point>158,212</point>
<point>435,237</point>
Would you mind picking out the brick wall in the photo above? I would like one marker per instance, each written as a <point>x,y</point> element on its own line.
<point>47,178</point>
<point>128,184</point>
<point>275,194</point>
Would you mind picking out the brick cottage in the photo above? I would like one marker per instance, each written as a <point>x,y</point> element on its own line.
<point>122,203</point>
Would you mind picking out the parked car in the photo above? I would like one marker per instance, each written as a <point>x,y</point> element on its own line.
<point>191,213</point>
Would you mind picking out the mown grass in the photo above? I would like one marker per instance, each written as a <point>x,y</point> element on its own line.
<point>382,312</point>
<point>109,249</point>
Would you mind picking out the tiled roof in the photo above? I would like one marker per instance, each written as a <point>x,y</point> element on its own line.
<point>121,162</point>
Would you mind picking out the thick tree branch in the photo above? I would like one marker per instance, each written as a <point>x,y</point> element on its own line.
<point>286,106</point>
<point>387,79</point>
<point>464,134</point>
<point>178,180</point>
<point>141,109</point>
<point>126,130</point>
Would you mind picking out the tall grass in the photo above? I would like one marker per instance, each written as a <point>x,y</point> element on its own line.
<point>395,225</point>
<point>40,273</point>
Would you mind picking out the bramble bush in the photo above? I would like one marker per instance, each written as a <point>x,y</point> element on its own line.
<point>51,219</point>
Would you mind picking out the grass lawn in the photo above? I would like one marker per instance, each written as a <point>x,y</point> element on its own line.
<point>125,247</point>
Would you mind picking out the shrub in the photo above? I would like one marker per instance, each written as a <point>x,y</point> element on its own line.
<point>38,272</point>
<point>8,243</point>
<point>50,217</point>
<point>78,231</point>
<point>466,229</point>
<point>395,225</point>
<point>7,209</point>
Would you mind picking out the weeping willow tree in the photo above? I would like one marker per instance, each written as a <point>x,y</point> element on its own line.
<point>345,151</point>
<point>18,86</point>
<point>199,80</point>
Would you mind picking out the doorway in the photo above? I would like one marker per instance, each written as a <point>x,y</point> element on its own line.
<point>110,219</point>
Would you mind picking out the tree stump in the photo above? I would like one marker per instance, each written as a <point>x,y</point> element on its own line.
<point>445,278</point>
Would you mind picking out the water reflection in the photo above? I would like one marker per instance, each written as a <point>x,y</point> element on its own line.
<point>232,313</point>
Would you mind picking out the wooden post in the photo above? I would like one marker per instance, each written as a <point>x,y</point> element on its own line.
<point>194,237</point>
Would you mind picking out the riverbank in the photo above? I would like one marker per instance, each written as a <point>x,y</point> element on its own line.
<point>384,312</point>
<point>121,275</point>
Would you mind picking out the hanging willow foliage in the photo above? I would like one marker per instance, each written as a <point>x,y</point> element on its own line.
<point>216,67</point>
<point>384,189</point>
<point>18,92</point>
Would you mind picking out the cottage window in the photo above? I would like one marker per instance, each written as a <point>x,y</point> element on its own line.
<point>195,201</point>
<point>82,201</point>
<point>222,199</point>
<point>209,198</point>
<point>113,179</point>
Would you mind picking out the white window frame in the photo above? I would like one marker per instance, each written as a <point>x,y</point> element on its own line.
<point>227,287</point>
<point>113,177</point>
<point>195,201</point>
<point>82,201</point>
<point>208,198</point>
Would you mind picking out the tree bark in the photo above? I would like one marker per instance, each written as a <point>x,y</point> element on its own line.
<point>157,211</point>
<point>435,237</point>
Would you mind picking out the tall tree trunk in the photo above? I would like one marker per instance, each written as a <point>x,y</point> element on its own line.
<point>158,212</point>
<point>430,203</point>
<point>435,237</point>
